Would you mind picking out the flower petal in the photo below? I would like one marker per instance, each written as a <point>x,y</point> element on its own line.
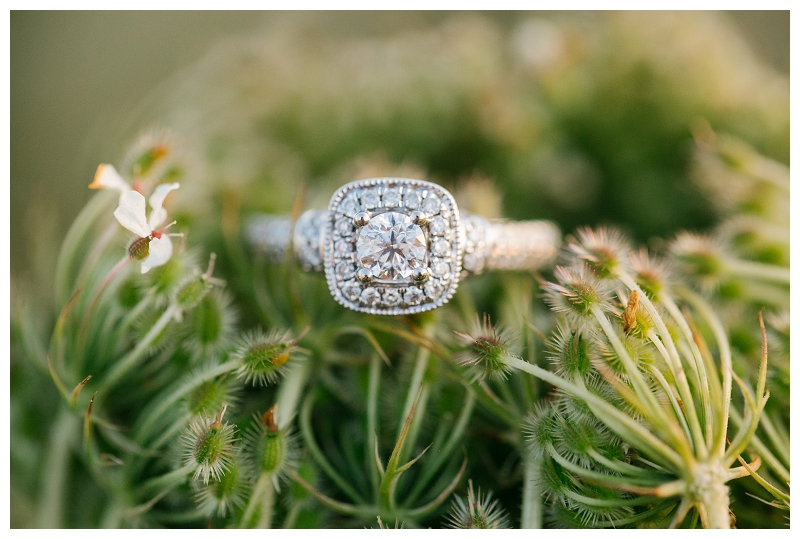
<point>159,214</point>
<point>160,251</point>
<point>107,177</point>
<point>130,213</point>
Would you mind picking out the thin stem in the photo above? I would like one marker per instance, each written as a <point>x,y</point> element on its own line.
<point>757,270</point>
<point>261,496</point>
<point>372,419</point>
<point>130,360</point>
<point>532,495</point>
<point>683,384</point>
<point>148,420</point>
<point>616,420</point>
<point>699,365</point>
<point>51,505</point>
<point>655,411</point>
<point>290,391</point>
<point>726,366</point>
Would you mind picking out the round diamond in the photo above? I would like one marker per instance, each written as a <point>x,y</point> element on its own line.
<point>413,295</point>
<point>391,246</point>
<point>431,204</point>
<point>344,270</point>
<point>370,198</point>
<point>438,226</point>
<point>434,289</point>
<point>441,247</point>
<point>470,262</point>
<point>343,247</point>
<point>369,296</point>
<point>344,227</point>
<point>391,197</point>
<point>349,206</point>
<point>412,199</point>
<point>441,269</point>
<point>351,290</point>
<point>391,297</point>
<point>474,235</point>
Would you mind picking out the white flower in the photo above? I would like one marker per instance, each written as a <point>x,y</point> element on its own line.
<point>131,215</point>
<point>107,177</point>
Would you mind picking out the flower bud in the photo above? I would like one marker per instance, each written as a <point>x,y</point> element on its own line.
<point>191,292</point>
<point>477,512</point>
<point>270,449</point>
<point>604,250</point>
<point>570,352</point>
<point>485,350</point>
<point>210,323</point>
<point>222,495</point>
<point>263,357</point>
<point>212,394</point>
<point>577,293</point>
<point>208,446</point>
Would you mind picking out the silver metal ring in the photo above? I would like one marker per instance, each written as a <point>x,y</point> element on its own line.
<point>399,246</point>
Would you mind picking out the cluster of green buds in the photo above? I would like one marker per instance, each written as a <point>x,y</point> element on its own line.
<point>637,431</point>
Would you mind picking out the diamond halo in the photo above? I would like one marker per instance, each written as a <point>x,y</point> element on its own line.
<point>405,237</point>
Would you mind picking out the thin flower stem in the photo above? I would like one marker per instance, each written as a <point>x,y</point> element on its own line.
<point>317,454</point>
<point>532,495</point>
<point>674,401</point>
<point>54,481</point>
<point>726,366</point>
<point>699,365</point>
<point>262,497</point>
<point>372,418</point>
<point>757,270</point>
<point>169,480</point>
<point>148,420</point>
<point>130,359</point>
<point>107,279</point>
<point>616,420</point>
<point>290,391</point>
<point>683,384</point>
<point>617,465</point>
<point>649,403</point>
<point>73,242</point>
<point>443,455</point>
<point>780,444</point>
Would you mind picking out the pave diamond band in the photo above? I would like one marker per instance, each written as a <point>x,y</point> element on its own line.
<point>399,246</point>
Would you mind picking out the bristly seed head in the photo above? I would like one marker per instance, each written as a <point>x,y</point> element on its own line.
<point>263,357</point>
<point>208,446</point>
<point>605,250</point>
<point>652,274</point>
<point>577,293</point>
<point>485,350</point>
<point>700,257</point>
<point>477,512</point>
<point>269,448</point>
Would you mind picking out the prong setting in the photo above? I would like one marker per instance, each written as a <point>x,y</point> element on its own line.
<point>361,219</point>
<point>363,275</point>
<point>421,275</point>
<point>418,218</point>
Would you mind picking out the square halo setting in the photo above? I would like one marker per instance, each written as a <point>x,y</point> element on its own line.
<point>391,249</point>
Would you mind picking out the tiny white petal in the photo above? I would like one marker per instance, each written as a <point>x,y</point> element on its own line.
<point>159,214</point>
<point>160,251</point>
<point>107,177</point>
<point>131,213</point>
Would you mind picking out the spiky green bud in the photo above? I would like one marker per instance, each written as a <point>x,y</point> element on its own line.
<point>208,446</point>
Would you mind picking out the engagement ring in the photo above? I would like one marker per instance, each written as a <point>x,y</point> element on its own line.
<point>399,246</point>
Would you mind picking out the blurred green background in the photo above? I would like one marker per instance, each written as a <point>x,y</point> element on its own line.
<point>82,82</point>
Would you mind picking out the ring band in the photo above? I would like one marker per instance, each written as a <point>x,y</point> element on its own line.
<point>399,246</point>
